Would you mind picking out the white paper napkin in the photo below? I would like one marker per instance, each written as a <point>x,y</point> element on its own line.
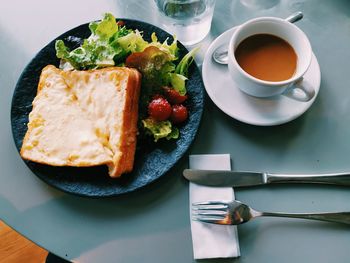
<point>212,241</point>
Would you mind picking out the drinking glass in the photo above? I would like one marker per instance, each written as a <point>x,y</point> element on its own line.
<point>189,20</point>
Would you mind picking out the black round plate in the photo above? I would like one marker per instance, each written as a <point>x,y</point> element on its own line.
<point>151,160</point>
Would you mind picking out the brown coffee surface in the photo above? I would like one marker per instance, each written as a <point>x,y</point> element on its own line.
<point>267,57</point>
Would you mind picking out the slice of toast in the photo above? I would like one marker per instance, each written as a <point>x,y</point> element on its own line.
<point>84,118</point>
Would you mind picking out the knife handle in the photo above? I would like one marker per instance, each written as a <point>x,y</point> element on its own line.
<point>333,178</point>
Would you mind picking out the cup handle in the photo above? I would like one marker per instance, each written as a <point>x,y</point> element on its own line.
<point>301,90</point>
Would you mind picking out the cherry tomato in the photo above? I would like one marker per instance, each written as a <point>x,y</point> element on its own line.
<point>157,96</point>
<point>159,109</point>
<point>173,96</point>
<point>120,23</point>
<point>179,114</point>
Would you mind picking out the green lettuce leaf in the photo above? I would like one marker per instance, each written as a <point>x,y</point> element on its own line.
<point>101,49</point>
<point>154,65</point>
<point>178,82</point>
<point>132,42</point>
<point>105,29</point>
<point>171,49</point>
<point>186,61</point>
<point>159,130</point>
<point>63,52</point>
<point>174,134</point>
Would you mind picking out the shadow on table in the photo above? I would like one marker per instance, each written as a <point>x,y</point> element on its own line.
<point>269,136</point>
<point>52,258</point>
<point>118,218</point>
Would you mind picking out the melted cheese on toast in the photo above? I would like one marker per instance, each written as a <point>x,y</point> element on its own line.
<point>84,118</point>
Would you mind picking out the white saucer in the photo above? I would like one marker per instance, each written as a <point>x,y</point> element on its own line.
<point>224,92</point>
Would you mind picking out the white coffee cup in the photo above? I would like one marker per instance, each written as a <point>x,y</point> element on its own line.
<point>295,87</point>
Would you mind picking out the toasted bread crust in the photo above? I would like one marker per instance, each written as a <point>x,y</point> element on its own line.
<point>129,129</point>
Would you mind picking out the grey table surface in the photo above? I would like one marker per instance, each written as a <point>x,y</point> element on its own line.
<point>152,225</point>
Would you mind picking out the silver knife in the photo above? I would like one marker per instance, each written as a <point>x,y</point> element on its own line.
<point>243,179</point>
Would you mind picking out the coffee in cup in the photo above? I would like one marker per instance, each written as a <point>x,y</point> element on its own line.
<point>268,56</point>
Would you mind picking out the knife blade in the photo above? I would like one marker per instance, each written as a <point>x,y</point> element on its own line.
<point>243,179</point>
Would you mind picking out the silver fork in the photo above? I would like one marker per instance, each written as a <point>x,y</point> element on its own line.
<point>236,213</point>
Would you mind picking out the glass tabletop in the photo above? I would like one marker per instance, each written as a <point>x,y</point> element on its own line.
<point>153,224</point>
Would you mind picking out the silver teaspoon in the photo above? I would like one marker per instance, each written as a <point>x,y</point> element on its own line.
<point>220,54</point>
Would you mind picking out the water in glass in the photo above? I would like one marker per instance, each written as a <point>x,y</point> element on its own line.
<point>189,20</point>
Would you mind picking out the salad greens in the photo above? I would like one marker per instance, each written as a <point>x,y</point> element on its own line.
<point>162,129</point>
<point>109,44</point>
<point>97,51</point>
<point>112,44</point>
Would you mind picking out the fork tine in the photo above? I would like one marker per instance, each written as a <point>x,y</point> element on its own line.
<point>207,219</point>
<point>213,212</point>
<point>211,203</point>
<point>209,207</point>
<point>211,220</point>
<point>217,213</point>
